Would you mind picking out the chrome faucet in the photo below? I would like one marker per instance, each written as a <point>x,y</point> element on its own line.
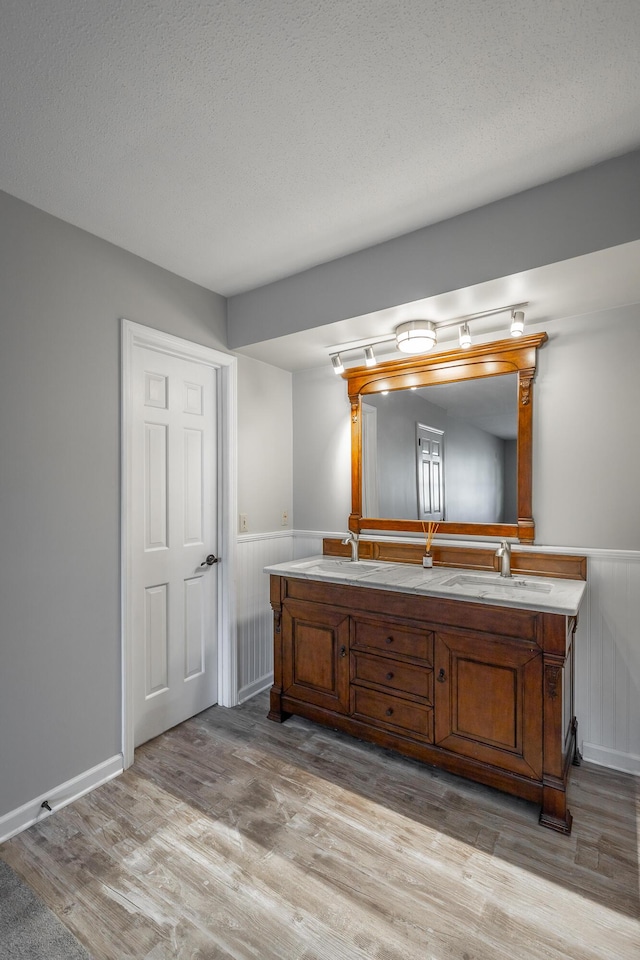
<point>353,539</point>
<point>504,555</point>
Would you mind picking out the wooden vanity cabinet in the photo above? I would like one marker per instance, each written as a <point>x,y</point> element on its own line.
<point>482,691</point>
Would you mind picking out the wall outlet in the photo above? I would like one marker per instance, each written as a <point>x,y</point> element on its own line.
<point>285,518</point>
<point>244,523</point>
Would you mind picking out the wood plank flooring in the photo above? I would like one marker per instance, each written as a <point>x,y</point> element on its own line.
<point>235,837</point>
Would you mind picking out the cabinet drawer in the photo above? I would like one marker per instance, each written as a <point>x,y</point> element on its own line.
<point>394,674</point>
<point>394,639</point>
<point>393,712</point>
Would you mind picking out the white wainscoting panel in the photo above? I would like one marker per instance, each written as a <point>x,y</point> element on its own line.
<point>254,615</point>
<point>608,661</point>
<point>253,611</point>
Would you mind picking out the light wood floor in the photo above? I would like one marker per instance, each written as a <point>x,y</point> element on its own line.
<point>235,837</point>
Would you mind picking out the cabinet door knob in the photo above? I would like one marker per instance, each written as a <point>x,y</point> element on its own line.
<point>389,640</point>
<point>441,676</point>
<point>343,651</point>
<point>390,711</point>
<point>389,676</point>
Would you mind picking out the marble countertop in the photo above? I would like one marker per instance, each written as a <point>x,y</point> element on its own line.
<point>544,594</point>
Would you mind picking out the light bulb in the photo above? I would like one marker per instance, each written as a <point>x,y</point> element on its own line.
<point>416,336</point>
<point>465,336</point>
<point>517,323</point>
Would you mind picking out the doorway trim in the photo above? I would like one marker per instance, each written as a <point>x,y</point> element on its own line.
<point>136,335</point>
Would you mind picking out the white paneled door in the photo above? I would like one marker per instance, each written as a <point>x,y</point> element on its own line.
<point>173,535</point>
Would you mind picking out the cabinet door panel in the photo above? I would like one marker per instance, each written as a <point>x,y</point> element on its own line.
<point>316,662</point>
<point>487,709</point>
<point>488,701</point>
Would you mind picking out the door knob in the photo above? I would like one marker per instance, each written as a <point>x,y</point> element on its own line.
<point>211,559</point>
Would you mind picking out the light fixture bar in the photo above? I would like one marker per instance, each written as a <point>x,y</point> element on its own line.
<point>350,346</point>
<point>480,316</point>
<point>353,345</point>
<point>405,336</point>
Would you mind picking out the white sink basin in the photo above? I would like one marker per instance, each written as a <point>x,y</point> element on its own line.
<point>335,567</point>
<point>502,585</point>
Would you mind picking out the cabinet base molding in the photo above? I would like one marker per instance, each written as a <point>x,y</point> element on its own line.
<point>431,756</point>
<point>559,824</point>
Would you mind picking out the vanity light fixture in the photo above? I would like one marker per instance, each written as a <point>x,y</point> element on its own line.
<point>517,323</point>
<point>419,336</point>
<point>464,336</point>
<point>416,336</point>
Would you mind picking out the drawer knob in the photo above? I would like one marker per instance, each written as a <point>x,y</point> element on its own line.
<point>389,676</point>
<point>441,676</point>
<point>389,640</point>
<point>390,711</point>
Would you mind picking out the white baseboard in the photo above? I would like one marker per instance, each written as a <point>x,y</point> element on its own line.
<point>32,812</point>
<point>257,686</point>
<point>613,759</point>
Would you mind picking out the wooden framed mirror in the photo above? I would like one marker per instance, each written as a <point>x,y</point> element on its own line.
<point>446,438</point>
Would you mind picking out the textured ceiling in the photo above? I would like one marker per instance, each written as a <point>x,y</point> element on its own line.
<point>238,142</point>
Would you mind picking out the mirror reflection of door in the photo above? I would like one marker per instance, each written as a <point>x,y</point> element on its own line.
<point>430,468</point>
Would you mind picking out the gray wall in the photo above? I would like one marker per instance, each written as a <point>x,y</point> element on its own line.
<point>265,445</point>
<point>321,451</point>
<point>577,214</point>
<point>586,452</point>
<point>586,458</point>
<point>63,294</point>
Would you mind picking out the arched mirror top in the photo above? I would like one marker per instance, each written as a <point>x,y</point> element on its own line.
<point>479,480</point>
